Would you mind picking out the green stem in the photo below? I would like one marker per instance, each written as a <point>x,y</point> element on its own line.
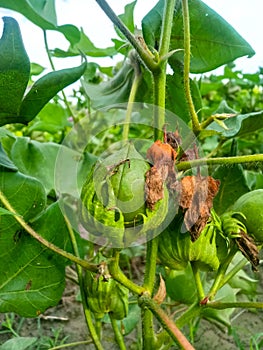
<point>192,312</point>
<point>71,345</point>
<point>149,280</point>
<point>119,276</point>
<point>139,45</point>
<point>87,313</point>
<point>221,273</point>
<point>182,166</point>
<point>187,57</point>
<point>151,258</point>
<point>229,305</point>
<point>117,333</point>
<point>134,89</point>
<point>166,27</point>
<point>43,241</point>
<point>53,68</point>
<point>166,322</point>
<point>198,282</point>
<point>239,266</point>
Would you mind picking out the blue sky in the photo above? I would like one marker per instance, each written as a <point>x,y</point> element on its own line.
<point>245,16</point>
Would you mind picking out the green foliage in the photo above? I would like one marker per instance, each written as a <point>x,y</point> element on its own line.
<point>213,41</point>
<point>39,169</point>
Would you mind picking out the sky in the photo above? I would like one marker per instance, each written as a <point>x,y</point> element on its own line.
<point>244,15</point>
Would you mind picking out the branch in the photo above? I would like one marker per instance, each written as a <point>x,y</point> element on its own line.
<point>182,166</point>
<point>166,322</point>
<point>139,45</point>
<point>43,241</point>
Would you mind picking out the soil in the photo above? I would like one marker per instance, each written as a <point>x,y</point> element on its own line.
<point>68,319</point>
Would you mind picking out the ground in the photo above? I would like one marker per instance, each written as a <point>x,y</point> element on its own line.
<point>66,320</point>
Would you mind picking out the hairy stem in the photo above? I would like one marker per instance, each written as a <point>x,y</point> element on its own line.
<point>119,276</point>
<point>187,57</point>
<point>134,89</point>
<point>88,317</point>
<point>166,322</point>
<point>117,334</point>
<point>198,282</point>
<point>182,166</point>
<point>43,241</point>
<point>139,45</point>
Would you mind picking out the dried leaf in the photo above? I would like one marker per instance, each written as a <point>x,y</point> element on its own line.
<point>196,199</point>
<point>161,293</point>
<point>248,248</point>
<point>153,187</point>
<point>162,156</point>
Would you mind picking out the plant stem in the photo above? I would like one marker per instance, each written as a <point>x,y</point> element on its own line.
<point>139,45</point>
<point>182,166</point>
<point>71,345</point>
<point>198,282</point>
<point>166,322</point>
<point>221,273</point>
<point>228,305</point>
<point>134,89</point>
<point>119,276</point>
<point>117,333</point>
<point>187,56</point>
<point>233,271</point>
<point>43,241</point>
<point>87,313</point>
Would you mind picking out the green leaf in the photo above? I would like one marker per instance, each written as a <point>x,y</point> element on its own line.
<point>113,91</point>
<point>40,12</point>
<point>51,163</point>
<point>52,118</point>
<point>84,45</point>
<point>175,97</point>
<point>214,42</point>
<point>46,88</point>
<point>25,194</point>
<point>18,343</point>
<point>5,212</point>
<point>36,69</point>
<point>5,162</point>
<point>127,18</point>
<point>240,125</point>
<point>232,185</point>
<point>32,277</point>
<point>14,71</point>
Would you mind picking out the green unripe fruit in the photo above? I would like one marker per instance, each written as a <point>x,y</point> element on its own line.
<point>251,206</point>
<point>176,249</point>
<point>106,296</point>
<point>113,199</point>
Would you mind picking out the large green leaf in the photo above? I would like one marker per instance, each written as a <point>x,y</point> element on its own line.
<point>52,118</point>
<point>5,162</point>
<point>40,12</point>
<point>32,278</point>
<point>26,195</point>
<point>47,87</point>
<point>214,41</point>
<point>14,71</point>
<point>113,91</point>
<point>85,45</point>
<point>40,160</point>
<point>232,185</point>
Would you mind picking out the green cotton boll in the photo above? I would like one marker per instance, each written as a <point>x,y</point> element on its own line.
<point>105,295</point>
<point>113,199</point>
<point>250,205</point>
<point>176,249</point>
